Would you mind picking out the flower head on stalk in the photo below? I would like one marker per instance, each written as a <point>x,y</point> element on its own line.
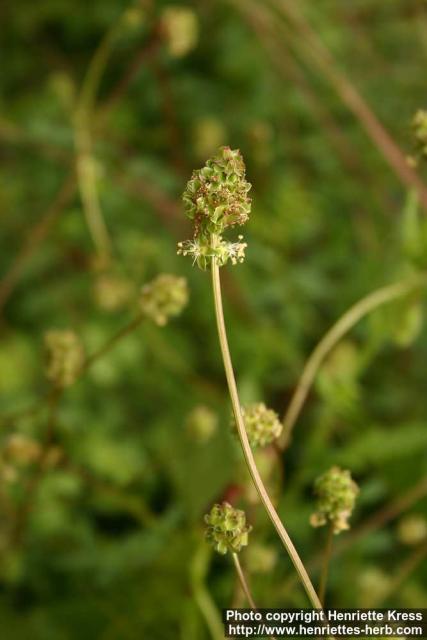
<point>336,496</point>
<point>64,356</point>
<point>164,297</point>
<point>226,528</point>
<point>216,198</point>
<point>262,424</point>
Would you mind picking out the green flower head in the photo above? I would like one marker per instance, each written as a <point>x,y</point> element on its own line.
<point>164,297</point>
<point>262,424</point>
<point>215,199</point>
<point>226,528</point>
<point>336,496</point>
<point>64,356</point>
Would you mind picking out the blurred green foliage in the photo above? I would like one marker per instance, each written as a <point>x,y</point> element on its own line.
<point>105,538</point>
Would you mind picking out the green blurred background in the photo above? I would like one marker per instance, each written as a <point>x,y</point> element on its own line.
<point>105,540</point>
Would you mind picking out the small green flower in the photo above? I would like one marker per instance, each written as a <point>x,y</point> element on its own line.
<point>227,529</point>
<point>336,496</point>
<point>202,251</point>
<point>215,199</point>
<point>64,356</point>
<point>263,425</point>
<point>164,297</point>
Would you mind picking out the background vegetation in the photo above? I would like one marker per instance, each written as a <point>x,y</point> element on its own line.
<point>105,109</point>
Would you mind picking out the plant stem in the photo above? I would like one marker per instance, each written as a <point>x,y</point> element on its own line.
<point>243,580</point>
<point>327,554</point>
<point>52,399</point>
<point>304,39</point>
<point>347,321</point>
<point>124,331</point>
<point>89,362</point>
<point>35,237</point>
<point>86,167</point>
<point>378,520</point>
<point>244,583</point>
<point>256,478</point>
<point>198,570</point>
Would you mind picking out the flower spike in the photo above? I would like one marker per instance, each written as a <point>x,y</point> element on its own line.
<point>215,199</point>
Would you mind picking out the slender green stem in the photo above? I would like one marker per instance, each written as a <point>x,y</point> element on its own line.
<point>133,504</point>
<point>327,554</point>
<point>377,521</point>
<point>243,580</point>
<point>244,583</point>
<point>89,362</point>
<point>256,478</point>
<point>124,331</point>
<point>198,570</point>
<point>52,399</point>
<point>86,167</point>
<point>347,321</point>
<point>305,41</point>
<point>87,179</point>
<point>35,236</point>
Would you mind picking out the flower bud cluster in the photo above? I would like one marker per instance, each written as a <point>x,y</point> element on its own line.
<point>336,496</point>
<point>64,356</point>
<point>226,528</point>
<point>263,425</point>
<point>164,297</point>
<point>215,199</point>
